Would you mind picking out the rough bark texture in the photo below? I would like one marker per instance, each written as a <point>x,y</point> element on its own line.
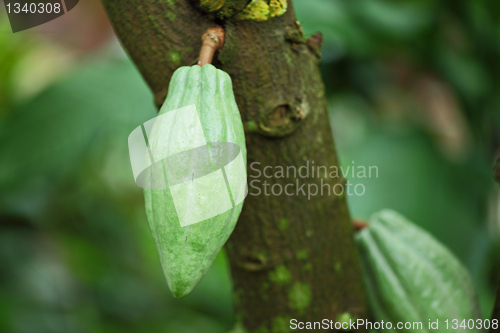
<point>291,256</point>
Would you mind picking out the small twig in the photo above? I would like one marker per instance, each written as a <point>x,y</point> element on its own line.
<point>213,39</point>
<point>359,225</point>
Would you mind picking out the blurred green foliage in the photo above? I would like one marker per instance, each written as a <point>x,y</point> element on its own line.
<point>413,89</point>
<point>12,50</point>
<point>76,254</point>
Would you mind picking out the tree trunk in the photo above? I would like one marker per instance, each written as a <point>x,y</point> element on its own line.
<point>291,256</point>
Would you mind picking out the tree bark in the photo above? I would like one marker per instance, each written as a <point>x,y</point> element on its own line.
<point>291,256</point>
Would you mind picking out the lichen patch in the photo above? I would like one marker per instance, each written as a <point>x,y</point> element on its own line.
<point>299,296</point>
<point>281,275</point>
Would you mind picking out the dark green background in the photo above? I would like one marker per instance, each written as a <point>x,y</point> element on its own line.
<point>413,89</point>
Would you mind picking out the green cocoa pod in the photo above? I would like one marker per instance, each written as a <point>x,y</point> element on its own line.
<point>199,139</point>
<point>411,277</point>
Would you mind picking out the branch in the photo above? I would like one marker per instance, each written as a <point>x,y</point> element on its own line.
<point>291,256</point>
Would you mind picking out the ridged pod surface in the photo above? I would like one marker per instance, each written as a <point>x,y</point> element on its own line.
<point>411,277</point>
<point>186,252</point>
